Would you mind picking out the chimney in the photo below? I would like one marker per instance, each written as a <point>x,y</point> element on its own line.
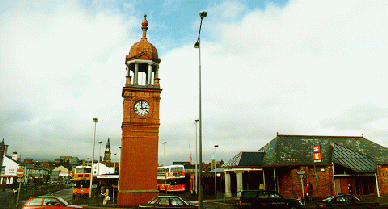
<point>15,156</point>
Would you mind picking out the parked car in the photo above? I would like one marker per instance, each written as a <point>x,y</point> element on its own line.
<point>345,201</point>
<point>168,202</point>
<point>265,199</point>
<point>47,203</point>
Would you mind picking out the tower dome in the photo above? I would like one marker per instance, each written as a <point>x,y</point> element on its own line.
<point>143,49</point>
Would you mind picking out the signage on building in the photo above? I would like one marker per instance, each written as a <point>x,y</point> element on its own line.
<point>317,155</point>
<point>317,149</point>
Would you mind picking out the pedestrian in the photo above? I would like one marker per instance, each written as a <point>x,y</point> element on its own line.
<point>350,189</point>
<point>310,191</point>
<point>106,198</point>
<point>306,191</point>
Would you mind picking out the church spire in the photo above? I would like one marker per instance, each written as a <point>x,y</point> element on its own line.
<point>107,152</point>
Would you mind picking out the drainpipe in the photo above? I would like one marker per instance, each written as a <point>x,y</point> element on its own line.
<point>377,186</point>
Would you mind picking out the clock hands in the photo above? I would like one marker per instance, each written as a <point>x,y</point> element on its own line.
<point>142,107</point>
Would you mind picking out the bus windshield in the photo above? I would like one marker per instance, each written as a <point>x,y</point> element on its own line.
<point>82,184</point>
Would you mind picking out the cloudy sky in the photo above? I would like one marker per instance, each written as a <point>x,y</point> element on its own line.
<point>292,67</point>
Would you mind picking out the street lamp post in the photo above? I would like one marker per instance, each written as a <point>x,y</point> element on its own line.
<point>95,120</point>
<point>114,163</point>
<point>99,156</point>
<point>164,153</point>
<point>215,172</point>
<point>196,158</point>
<point>197,44</point>
<point>119,161</point>
<point>118,186</point>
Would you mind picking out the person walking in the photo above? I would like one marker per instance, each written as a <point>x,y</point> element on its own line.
<point>310,191</point>
<point>306,191</point>
<point>106,198</point>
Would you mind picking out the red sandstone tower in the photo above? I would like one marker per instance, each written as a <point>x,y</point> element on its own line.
<point>139,145</point>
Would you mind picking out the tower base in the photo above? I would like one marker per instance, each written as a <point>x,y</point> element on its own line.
<point>135,198</point>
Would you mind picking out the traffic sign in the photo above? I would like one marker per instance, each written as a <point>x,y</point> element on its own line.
<point>20,172</point>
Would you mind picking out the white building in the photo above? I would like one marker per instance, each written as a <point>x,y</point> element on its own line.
<point>63,172</point>
<point>9,168</point>
<point>103,169</point>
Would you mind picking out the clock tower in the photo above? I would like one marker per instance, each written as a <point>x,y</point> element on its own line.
<point>140,127</point>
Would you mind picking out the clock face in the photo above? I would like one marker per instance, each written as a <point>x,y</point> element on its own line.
<point>141,107</point>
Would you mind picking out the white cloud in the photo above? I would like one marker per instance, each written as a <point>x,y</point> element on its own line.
<point>263,71</point>
<point>283,70</point>
<point>65,66</point>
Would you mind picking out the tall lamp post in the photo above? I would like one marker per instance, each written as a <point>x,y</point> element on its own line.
<point>99,156</point>
<point>164,153</point>
<point>95,120</point>
<point>119,160</point>
<point>197,44</point>
<point>215,172</point>
<point>196,158</point>
<point>114,163</point>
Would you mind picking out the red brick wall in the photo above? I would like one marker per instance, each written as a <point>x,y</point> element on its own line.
<point>382,175</point>
<point>139,148</point>
<point>290,183</point>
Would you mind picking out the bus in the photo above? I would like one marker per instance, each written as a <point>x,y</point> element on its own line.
<point>81,180</point>
<point>171,178</point>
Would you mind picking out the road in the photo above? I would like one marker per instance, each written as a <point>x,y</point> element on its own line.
<point>67,195</point>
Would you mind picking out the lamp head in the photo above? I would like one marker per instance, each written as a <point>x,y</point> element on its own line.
<point>203,14</point>
<point>196,45</point>
<point>95,120</point>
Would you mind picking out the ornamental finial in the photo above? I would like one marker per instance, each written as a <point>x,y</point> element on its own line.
<point>144,27</point>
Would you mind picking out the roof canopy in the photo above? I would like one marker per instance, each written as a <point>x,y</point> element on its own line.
<point>246,159</point>
<point>354,152</point>
<point>354,160</point>
<point>143,49</point>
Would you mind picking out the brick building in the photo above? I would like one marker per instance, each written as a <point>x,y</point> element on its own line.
<point>348,164</point>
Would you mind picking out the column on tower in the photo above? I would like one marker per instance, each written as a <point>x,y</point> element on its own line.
<point>148,67</point>
<point>136,76</point>
<point>149,76</point>
<point>157,72</point>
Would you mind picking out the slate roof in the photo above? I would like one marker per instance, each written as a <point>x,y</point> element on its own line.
<point>297,150</point>
<point>350,159</point>
<point>246,159</point>
<point>10,157</point>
